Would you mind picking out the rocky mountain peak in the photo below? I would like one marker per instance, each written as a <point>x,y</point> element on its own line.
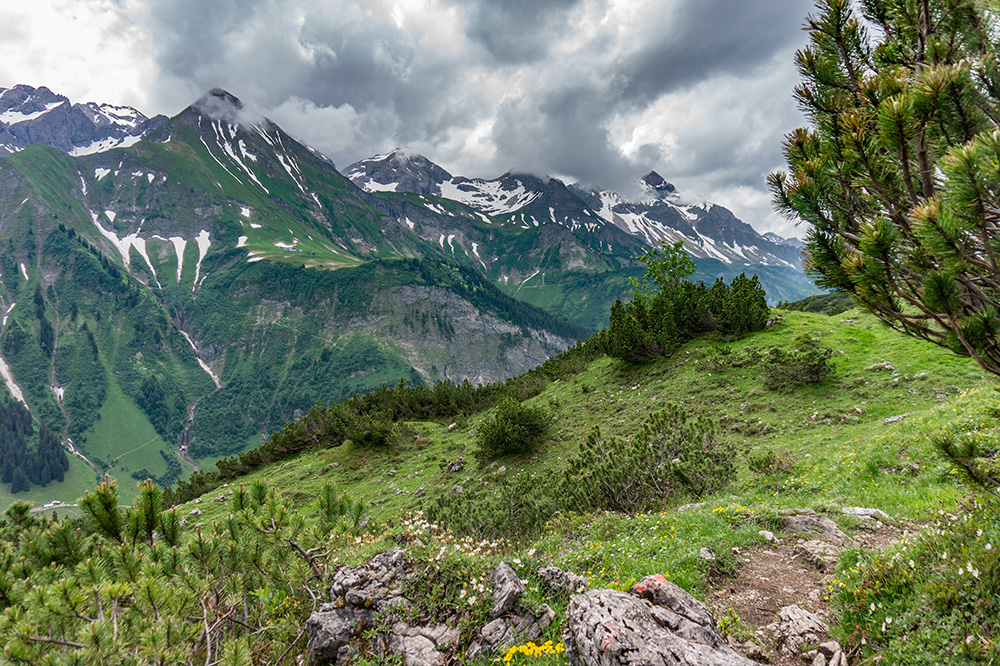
<point>655,185</point>
<point>37,115</point>
<point>398,171</point>
<point>219,104</point>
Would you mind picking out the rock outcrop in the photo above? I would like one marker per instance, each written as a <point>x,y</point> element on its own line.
<point>796,629</point>
<point>511,623</point>
<point>655,624</point>
<point>358,594</point>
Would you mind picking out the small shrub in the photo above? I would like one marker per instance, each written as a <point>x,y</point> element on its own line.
<point>673,453</point>
<point>514,507</point>
<point>373,430</point>
<point>808,363</point>
<point>513,428</point>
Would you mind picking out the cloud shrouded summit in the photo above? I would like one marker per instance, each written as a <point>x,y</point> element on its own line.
<point>599,91</point>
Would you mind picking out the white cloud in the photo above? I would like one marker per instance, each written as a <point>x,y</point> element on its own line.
<point>88,50</point>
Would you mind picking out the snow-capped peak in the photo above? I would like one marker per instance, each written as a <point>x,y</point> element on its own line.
<point>38,115</point>
<point>401,170</point>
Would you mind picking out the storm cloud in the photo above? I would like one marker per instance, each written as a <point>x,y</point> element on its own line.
<point>599,91</point>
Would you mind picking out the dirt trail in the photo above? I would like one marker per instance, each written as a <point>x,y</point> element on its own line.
<point>774,576</point>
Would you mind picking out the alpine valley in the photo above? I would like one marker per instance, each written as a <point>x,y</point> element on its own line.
<point>176,290</point>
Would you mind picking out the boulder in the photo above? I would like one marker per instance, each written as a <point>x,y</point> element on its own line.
<point>558,581</point>
<point>330,629</point>
<point>507,589</point>
<point>504,632</point>
<point>656,624</point>
<point>819,554</point>
<point>422,646</point>
<point>357,593</point>
<point>867,514</point>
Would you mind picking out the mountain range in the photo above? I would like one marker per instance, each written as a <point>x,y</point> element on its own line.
<point>38,115</point>
<point>186,293</point>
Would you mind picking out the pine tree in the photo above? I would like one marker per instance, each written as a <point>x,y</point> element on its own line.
<point>899,172</point>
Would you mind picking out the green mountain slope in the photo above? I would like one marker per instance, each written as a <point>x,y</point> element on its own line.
<point>184,298</point>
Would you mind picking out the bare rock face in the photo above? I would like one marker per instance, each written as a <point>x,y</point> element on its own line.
<point>819,554</point>
<point>656,624</point>
<point>511,623</point>
<point>807,521</point>
<point>421,646</point>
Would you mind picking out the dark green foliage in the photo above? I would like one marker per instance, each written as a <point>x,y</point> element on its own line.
<point>898,173</point>
<point>807,363</point>
<point>978,464</point>
<point>511,506</point>
<point>654,323</point>
<point>512,428</point>
<point>28,457</point>
<point>340,513</point>
<point>673,454</point>
<point>103,513</point>
<point>174,590</point>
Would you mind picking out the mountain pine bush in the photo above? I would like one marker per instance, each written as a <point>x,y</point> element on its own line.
<point>674,453</point>
<point>512,428</point>
<point>807,363</point>
<point>655,322</point>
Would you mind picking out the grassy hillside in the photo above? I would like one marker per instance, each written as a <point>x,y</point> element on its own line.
<point>808,428</point>
<point>860,437</point>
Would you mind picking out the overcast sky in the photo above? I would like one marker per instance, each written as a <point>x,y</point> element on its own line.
<point>599,91</point>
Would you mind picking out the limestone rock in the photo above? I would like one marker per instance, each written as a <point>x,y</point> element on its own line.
<point>331,628</point>
<point>867,514</point>
<point>421,646</point>
<point>377,583</point>
<point>507,589</point>
<point>819,554</point>
<point>657,624</point>
<point>797,628</point>
<point>798,521</point>
<point>502,633</point>
<point>562,582</point>
<point>357,593</point>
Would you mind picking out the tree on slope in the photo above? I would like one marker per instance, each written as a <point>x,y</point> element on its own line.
<point>899,171</point>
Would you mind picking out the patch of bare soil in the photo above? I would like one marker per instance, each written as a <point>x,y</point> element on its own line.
<point>774,576</point>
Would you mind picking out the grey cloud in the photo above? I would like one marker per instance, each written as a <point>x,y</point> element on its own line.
<point>515,31</point>
<point>693,41</point>
<point>352,85</point>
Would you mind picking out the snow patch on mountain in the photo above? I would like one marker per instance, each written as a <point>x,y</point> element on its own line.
<point>8,379</point>
<point>14,117</point>
<point>204,366</point>
<point>202,240</point>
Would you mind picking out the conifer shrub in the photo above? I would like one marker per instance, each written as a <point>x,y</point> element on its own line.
<point>513,507</point>
<point>673,454</point>
<point>807,363</point>
<point>667,310</point>
<point>512,428</point>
